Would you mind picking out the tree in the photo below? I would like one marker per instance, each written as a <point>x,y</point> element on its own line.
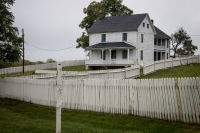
<point>50,60</point>
<point>178,39</point>
<point>10,43</point>
<point>109,7</point>
<point>187,49</point>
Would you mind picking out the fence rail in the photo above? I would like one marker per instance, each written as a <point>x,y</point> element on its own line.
<point>162,64</point>
<point>130,72</point>
<point>40,66</point>
<point>168,99</point>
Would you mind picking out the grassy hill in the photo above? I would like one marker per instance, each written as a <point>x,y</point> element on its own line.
<point>179,71</point>
<point>21,117</point>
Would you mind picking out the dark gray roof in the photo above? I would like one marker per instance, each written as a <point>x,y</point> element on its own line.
<point>111,45</point>
<point>117,23</point>
<point>160,33</point>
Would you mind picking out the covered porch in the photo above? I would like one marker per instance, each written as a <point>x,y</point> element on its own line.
<point>110,54</point>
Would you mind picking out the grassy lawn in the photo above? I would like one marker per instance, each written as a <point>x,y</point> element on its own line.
<point>71,68</point>
<point>22,117</point>
<point>17,74</point>
<point>180,71</point>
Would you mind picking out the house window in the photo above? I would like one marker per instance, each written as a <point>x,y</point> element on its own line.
<point>141,55</point>
<point>142,38</point>
<point>124,54</point>
<point>113,54</point>
<point>148,26</point>
<point>143,24</point>
<point>124,37</point>
<point>103,37</point>
<point>167,56</point>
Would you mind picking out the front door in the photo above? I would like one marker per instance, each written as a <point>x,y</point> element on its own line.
<point>104,55</point>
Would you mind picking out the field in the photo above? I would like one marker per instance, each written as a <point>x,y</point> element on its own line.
<point>179,71</point>
<point>21,117</point>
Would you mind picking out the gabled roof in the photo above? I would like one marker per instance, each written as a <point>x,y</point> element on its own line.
<point>111,45</point>
<point>117,23</point>
<point>160,34</point>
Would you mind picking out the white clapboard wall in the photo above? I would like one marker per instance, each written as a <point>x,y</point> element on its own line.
<point>168,99</point>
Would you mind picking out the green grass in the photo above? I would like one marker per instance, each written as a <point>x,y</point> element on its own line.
<point>17,74</point>
<point>71,68</point>
<point>22,117</point>
<point>180,71</point>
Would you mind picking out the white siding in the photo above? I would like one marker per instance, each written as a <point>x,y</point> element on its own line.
<point>114,37</point>
<point>148,42</point>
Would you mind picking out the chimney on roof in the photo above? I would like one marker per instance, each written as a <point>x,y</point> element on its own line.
<point>101,15</point>
<point>152,21</point>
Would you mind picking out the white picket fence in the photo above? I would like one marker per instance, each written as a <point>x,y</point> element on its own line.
<point>130,72</point>
<point>163,64</point>
<point>40,66</point>
<point>168,99</point>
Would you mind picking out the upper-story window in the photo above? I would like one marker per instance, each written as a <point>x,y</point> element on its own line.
<point>124,37</point>
<point>103,37</point>
<point>148,26</point>
<point>142,38</point>
<point>143,24</point>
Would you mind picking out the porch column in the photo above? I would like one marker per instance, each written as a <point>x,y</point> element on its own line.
<point>128,55</point>
<point>110,56</point>
<point>161,55</point>
<point>90,54</point>
<point>102,55</point>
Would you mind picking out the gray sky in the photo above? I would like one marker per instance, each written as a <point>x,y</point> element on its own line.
<point>53,24</point>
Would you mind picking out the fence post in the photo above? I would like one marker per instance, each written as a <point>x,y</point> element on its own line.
<point>59,98</point>
<point>178,97</point>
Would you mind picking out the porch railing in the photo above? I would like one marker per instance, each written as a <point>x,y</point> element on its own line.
<point>112,61</point>
<point>159,47</point>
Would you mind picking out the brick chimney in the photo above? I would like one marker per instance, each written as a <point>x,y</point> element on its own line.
<point>101,15</point>
<point>152,21</point>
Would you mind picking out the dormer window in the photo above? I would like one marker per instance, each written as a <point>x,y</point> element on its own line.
<point>143,24</point>
<point>103,37</point>
<point>124,37</point>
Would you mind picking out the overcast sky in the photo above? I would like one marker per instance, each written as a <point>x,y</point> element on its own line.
<point>53,24</point>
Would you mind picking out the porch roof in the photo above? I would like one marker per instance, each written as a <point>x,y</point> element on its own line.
<point>111,45</point>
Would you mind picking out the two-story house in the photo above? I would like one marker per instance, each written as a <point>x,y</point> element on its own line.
<point>120,41</point>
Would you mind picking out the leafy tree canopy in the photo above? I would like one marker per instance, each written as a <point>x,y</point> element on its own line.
<point>109,7</point>
<point>187,49</point>
<point>180,38</point>
<point>10,43</point>
<point>50,60</point>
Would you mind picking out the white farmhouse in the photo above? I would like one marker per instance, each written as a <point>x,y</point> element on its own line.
<point>120,41</point>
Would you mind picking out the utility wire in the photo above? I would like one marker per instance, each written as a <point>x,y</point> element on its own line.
<point>50,49</point>
<point>31,53</point>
